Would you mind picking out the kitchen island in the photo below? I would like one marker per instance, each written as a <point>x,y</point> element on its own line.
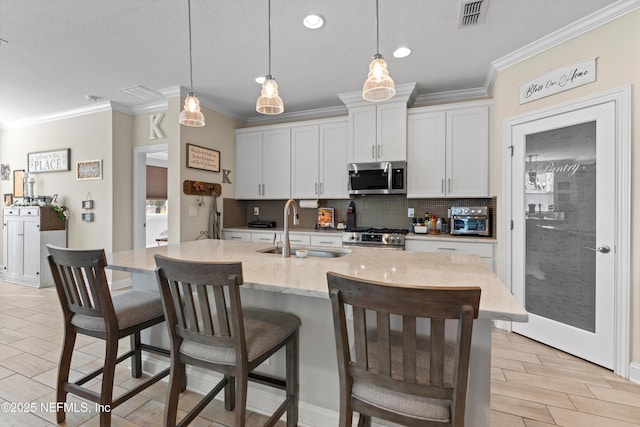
<point>298,285</point>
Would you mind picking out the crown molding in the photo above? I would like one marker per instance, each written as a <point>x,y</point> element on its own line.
<point>317,113</point>
<point>575,29</point>
<point>60,115</point>
<point>452,95</point>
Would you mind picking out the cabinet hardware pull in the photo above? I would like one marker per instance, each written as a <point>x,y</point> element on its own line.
<point>259,190</point>
<point>449,185</point>
<point>379,150</point>
<point>263,190</point>
<point>373,151</point>
<point>320,191</point>
<point>326,243</point>
<point>442,185</point>
<point>316,190</point>
<point>236,237</point>
<point>447,249</point>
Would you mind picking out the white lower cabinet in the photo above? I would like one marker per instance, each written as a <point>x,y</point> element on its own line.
<point>243,236</point>
<point>320,240</point>
<point>298,239</point>
<point>26,232</point>
<point>485,250</point>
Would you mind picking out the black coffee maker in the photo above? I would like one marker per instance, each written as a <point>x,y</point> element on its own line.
<point>351,216</point>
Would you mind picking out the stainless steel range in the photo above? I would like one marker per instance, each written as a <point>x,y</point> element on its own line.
<point>374,237</point>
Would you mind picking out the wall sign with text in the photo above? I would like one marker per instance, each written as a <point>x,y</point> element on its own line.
<point>203,158</point>
<point>49,161</point>
<point>559,80</point>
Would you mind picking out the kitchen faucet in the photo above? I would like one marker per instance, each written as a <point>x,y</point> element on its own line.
<point>286,250</point>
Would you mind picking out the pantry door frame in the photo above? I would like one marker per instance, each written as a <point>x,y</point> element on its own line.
<point>621,219</point>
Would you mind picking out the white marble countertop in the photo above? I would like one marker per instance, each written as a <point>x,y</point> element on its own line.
<point>307,276</point>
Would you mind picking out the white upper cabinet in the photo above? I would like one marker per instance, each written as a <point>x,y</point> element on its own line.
<point>378,130</point>
<point>319,160</point>
<point>263,164</point>
<point>448,151</point>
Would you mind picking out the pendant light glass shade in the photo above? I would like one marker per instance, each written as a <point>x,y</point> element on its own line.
<point>269,101</point>
<point>379,85</point>
<point>191,115</point>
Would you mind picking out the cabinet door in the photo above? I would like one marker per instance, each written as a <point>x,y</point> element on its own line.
<point>468,152</point>
<point>13,247</point>
<point>426,155</point>
<point>362,134</point>
<point>333,161</point>
<point>305,162</point>
<point>391,132</point>
<point>31,262</point>
<point>276,164</point>
<point>269,237</point>
<point>248,165</point>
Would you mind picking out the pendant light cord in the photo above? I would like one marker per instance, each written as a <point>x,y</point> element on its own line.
<point>269,15</point>
<point>377,30</point>
<point>190,58</point>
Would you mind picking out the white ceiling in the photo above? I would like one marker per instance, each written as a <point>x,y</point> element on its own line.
<point>60,51</point>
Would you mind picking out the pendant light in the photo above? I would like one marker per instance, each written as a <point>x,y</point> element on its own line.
<point>269,101</point>
<point>191,115</point>
<point>379,85</point>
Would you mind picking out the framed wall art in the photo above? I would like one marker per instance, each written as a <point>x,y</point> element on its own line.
<point>8,199</point>
<point>18,183</point>
<point>5,172</point>
<point>203,158</point>
<point>49,161</point>
<point>89,169</point>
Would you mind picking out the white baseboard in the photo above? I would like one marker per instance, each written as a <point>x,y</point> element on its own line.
<point>120,284</point>
<point>634,372</point>
<point>259,398</point>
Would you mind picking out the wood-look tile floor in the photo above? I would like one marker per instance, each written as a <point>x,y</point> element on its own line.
<point>532,385</point>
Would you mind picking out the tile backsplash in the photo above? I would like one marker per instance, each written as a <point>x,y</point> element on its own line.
<point>371,211</point>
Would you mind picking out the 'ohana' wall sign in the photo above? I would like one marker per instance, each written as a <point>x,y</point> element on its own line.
<point>558,80</point>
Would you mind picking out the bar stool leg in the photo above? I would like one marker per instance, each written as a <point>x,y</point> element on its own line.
<point>63,372</point>
<point>292,377</point>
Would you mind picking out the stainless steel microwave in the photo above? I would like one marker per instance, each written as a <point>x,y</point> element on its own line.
<point>378,178</point>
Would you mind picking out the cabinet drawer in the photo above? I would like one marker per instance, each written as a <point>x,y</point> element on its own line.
<point>265,237</point>
<point>237,235</point>
<point>299,239</point>
<point>11,212</point>
<point>484,250</point>
<point>335,241</point>
<point>30,212</point>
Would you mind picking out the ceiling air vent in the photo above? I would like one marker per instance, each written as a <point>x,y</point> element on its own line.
<point>141,92</point>
<point>472,12</point>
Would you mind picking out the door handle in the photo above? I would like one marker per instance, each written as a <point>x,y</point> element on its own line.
<point>604,249</point>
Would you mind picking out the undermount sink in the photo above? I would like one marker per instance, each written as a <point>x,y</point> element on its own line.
<point>312,251</point>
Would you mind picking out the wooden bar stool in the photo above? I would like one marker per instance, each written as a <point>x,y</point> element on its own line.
<point>89,309</point>
<point>400,376</point>
<point>208,331</point>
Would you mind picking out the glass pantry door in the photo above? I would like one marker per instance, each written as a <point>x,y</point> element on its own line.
<point>563,253</point>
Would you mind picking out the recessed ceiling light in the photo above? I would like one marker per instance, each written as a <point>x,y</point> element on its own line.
<point>402,52</point>
<point>313,22</point>
<point>2,41</point>
<point>260,79</point>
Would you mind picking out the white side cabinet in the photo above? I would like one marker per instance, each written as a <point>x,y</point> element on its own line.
<point>485,250</point>
<point>448,151</point>
<point>26,232</point>
<point>319,160</point>
<point>263,163</point>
